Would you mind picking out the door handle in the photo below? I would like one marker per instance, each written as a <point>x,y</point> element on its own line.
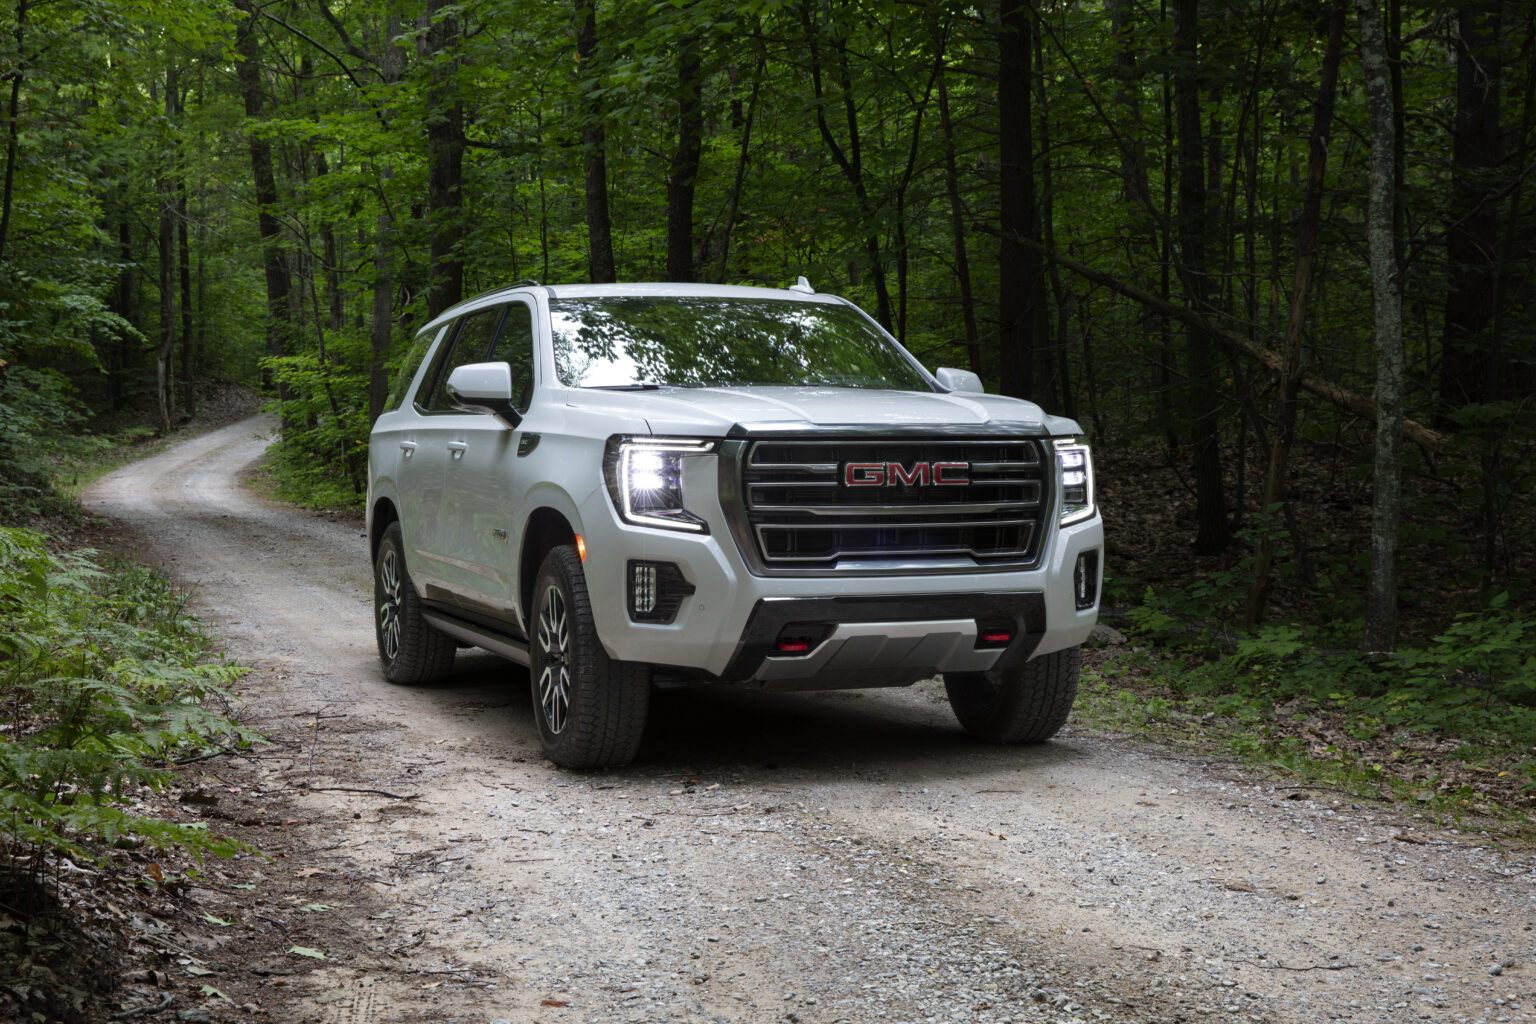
<point>458,448</point>
<point>409,447</point>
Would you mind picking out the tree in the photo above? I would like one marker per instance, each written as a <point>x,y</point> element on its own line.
<point>1204,398</point>
<point>1380,634</point>
<point>1021,286</point>
<point>599,225</point>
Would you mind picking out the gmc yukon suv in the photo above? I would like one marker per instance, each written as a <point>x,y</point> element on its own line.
<point>631,486</point>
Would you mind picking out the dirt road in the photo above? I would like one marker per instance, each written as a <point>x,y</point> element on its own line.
<point>816,858</point>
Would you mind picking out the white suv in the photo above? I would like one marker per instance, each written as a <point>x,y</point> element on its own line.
<point>630,486</point>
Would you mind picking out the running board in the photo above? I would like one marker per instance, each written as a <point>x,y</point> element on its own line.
<point>493,642</point>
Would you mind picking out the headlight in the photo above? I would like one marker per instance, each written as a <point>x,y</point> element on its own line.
<point>1074,468</point>
<point>645,480</point>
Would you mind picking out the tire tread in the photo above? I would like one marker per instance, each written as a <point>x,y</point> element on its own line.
<point>1029,704</point>
<point>607,717</point>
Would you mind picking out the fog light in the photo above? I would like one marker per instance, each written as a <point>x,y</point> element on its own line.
<point>1085,579</point>
<point>656,591</point>
<point>642,588</point>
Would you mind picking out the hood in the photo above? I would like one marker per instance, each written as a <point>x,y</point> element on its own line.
<point>718,412</point>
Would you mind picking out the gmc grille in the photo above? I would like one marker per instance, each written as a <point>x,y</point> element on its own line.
<point>806,507</point>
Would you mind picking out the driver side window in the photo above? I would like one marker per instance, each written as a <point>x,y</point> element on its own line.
<point>471,342</point>
<point>514,346</point>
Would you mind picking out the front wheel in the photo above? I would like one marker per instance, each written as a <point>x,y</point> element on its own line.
<point>1027,703</point>
<point>590,709</point>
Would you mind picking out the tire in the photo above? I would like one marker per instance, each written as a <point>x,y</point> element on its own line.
<point>410,648</point>
<point>589,708</point>
<point>1027,703</point>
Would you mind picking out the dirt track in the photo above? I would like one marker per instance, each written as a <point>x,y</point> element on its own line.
<point>841,857</point>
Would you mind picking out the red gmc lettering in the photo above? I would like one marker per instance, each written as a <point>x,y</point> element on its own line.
<point>951,472</point>
<point>864,474</point>
<point>894,474</point>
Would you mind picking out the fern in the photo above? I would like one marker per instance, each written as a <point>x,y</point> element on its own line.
<point>105,681</point>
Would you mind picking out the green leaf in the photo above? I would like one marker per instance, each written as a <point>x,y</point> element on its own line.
<point>306,951</point>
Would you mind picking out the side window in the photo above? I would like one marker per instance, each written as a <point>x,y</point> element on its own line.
<point>407,369</point>
<point>471,344</point>
<point>514,346</point>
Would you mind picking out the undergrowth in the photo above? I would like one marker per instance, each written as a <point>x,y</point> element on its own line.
<point>106,681</point>
<point>1446,725</point>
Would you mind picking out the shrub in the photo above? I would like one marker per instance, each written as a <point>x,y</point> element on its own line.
<point>105,680</point>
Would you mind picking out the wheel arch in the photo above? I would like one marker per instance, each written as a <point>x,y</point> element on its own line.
<point>547,528</point>
<point>380,516</point>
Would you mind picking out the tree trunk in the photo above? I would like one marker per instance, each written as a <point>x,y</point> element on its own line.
<point>165,190</point>
<point>381,334</point>
<point>741,170</point>
<point>248,69</point>
<point>1306,248</point>
<point>12,128</point>
<point>445,159</point>
<point>1021,286</point>
<point>851,161</point>
<point>1471,238</point>
<point>1380,634</point>
<point>685,163</point>
<point>1204,397</point>
<point>184,270</point>
<point>599,227</point>
<point>957,218</point>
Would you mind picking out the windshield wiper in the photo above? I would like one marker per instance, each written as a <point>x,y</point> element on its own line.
<point>623,387</point>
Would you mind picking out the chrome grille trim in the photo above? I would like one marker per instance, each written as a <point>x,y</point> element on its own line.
<point>796,513</point>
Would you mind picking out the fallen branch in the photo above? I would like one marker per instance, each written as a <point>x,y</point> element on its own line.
<point>355,789</point>
<point>1341,397</point>
<point>139,1011</point>
<point>1311,967</point>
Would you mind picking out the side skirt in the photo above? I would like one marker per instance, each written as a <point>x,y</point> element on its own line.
<point>496,643</point>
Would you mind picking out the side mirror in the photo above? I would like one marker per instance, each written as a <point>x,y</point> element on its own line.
<point>960,381</point>
<point>484,387</point>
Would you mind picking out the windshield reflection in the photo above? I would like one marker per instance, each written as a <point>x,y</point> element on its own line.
<point>616,342</point>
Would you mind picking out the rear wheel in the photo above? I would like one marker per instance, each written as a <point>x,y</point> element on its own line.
<point>590,709</point>
<point>410,648</point>
<point>1027,703</point>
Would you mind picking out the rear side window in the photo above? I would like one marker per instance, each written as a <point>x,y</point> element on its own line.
<point>471,344</point>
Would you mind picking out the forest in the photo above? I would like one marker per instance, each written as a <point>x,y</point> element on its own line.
<point>1219,233</point>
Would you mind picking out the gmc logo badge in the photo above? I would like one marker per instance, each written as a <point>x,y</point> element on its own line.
<point>894,474</point>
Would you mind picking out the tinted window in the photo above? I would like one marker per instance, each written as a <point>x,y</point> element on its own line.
<point>407,369</point>
<point>514,346</point>
<point>705,342</point>
<point>471,344</point>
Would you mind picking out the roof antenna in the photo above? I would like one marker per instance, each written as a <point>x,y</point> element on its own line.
<point>802,285</point>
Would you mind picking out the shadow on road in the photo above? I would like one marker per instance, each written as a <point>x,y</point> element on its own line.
<point>811,737</point>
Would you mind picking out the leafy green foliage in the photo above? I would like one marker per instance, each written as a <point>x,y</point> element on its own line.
<point>105,682</point>
<point>325,412</point>
<point>38,414</point>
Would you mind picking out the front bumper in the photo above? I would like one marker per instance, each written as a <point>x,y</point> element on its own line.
<point>725,629</point>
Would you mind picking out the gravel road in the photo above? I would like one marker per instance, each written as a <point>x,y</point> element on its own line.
<point>816,858</point>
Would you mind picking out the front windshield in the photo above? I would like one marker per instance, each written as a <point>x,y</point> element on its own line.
<point>693,341</point>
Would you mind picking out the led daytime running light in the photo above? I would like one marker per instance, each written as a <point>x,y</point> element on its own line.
<point>1074,462</point>
<point>646,484</point>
